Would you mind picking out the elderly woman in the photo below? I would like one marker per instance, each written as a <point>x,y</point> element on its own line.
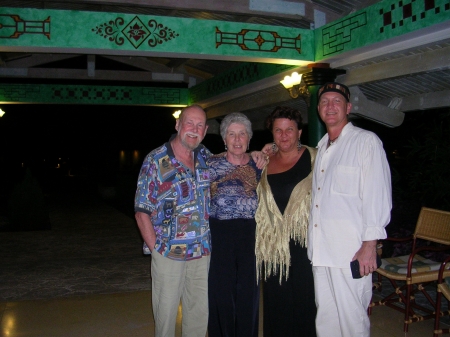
<point>233,290</point>
<point>282,219</point>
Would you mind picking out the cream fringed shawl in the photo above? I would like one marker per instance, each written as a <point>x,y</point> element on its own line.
<point>274,230</point>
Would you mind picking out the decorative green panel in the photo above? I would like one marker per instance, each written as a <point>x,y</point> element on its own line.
<point>236,77</point>
<point>384,20</point>
<point>129,34</point>
<point>74,94</point>
<point>59,30</point>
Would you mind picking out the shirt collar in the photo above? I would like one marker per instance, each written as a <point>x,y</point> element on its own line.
<point>346,129</point>
<point>170,150</point>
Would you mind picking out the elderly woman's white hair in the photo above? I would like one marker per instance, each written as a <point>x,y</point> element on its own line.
<point>235,117</point>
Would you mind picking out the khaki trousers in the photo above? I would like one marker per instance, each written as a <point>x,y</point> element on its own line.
<point>174,280</point>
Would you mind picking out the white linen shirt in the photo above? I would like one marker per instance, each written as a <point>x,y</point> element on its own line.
<point>351,197</point>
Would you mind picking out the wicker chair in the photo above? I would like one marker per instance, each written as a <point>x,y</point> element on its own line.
<point>442,289</point>
<point>410,274</point>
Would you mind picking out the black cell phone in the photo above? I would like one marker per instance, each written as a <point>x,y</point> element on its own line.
<point>354,266</point>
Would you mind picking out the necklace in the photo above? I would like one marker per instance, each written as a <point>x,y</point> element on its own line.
<point>332,141</point>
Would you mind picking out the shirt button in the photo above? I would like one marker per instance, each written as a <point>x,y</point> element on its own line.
<point>317,206</point>
<point>319,188</point>
<point>321,170</point>
<point>315,225</point>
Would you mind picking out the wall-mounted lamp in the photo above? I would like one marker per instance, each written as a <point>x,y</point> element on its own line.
<point>1,113</point>
<point>295,87</point>
<point>176,114</point>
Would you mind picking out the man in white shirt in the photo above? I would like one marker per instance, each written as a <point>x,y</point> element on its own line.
<point>350,209</point>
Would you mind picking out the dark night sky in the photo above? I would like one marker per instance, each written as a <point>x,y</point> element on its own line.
<point>49,127</point>
<point>89,137</point>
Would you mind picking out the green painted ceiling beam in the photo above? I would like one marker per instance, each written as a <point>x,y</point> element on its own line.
<point>61,31</point>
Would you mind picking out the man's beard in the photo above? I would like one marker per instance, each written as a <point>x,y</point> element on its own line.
<point>190,146</point>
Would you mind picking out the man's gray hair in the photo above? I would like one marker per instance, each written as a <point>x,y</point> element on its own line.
<point>235,117</point>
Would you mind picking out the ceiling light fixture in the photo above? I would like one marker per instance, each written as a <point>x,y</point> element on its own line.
<point>295,87</point>
<point>1,113</point>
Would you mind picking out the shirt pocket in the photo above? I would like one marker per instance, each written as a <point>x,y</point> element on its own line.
<point>346,180</point>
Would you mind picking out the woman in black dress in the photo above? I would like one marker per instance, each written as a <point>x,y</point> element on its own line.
<point>282,219</point>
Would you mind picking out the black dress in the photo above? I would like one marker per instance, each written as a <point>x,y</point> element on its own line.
<point>290,308</point>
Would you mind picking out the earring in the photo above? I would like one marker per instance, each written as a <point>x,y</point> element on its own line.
<point>299,145</point>
<point>274,147</point>
<point>226,148</point>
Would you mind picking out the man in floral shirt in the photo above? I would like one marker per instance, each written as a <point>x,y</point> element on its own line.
<point>172,211</point>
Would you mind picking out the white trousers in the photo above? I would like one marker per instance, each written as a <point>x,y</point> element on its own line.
<point>342,303</point>
<point>175,280</point>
